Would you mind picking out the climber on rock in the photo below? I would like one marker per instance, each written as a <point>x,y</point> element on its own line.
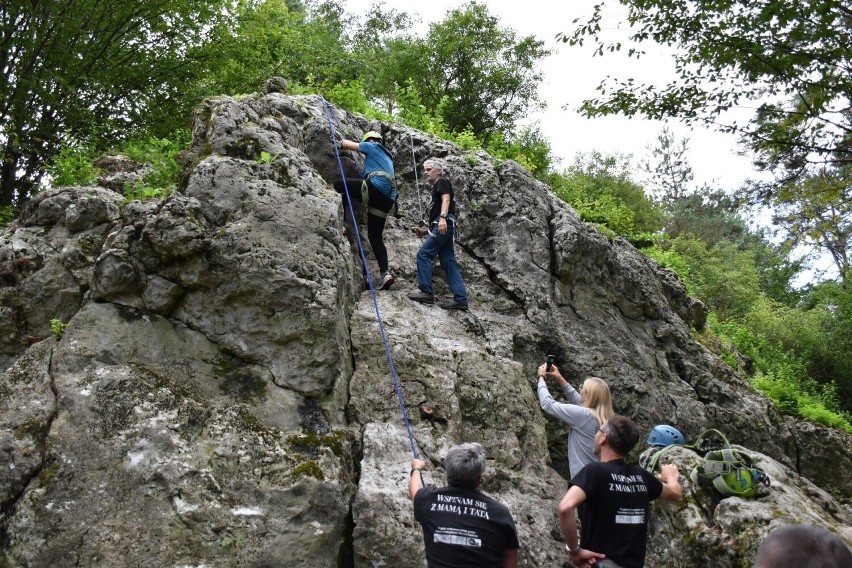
<point>440,235</point>
<point>377,191</point>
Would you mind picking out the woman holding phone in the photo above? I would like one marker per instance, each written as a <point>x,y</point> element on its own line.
<point>587,409</point>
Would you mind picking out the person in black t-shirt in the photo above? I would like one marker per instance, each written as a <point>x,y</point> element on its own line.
<point>463,527</point>
<point>615,522</point>
<point>440,235</point>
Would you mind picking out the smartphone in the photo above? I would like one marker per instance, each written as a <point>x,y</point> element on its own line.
<point>550,363</point>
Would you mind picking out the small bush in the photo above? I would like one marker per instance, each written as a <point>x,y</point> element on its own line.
<point>57,327</point>
<point>782,376</point>
<point>162,154</point>
<point>350,96</point>
<point>7,214</point>
<point>73,166</point>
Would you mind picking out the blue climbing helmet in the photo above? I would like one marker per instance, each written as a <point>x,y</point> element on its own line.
<point>665,435</point>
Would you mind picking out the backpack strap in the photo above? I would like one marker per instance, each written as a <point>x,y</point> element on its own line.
<point>654,460</point>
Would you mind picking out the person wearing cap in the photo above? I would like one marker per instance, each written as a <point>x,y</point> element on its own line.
<point>463,527</point>
<point>376,190</point>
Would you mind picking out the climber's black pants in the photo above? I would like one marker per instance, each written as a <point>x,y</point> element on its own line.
<point>375,224</point>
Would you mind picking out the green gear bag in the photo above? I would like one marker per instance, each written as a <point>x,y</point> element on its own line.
<point>725,470</point>
<point>730,472</point>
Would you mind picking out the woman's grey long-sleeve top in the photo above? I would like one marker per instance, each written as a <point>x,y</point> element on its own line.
<point>581,439</point>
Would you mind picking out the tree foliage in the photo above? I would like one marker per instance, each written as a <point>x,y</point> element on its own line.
<point>815,211</point>
<point>87,70</point>
<point>710,214</point>
<point>602,191</point>
<point>793,59</point>
<point>486,77</point>
<point>530,148</point>
<point>722,275</point>
<point>669,173</point>
<point>387,55</point>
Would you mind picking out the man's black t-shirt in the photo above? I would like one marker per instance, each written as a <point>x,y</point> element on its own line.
<point>463,528</point>
<point>615,515</point>
<point>441,186</point>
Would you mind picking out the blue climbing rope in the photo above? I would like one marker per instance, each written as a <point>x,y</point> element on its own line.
<point>326,106</point>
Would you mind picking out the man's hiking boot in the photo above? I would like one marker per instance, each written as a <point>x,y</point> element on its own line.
<point>455,306</point>
<point>422,297</point>
<point>387,281</point>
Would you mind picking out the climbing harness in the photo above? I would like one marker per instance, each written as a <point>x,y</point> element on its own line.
<point>397,388</point>
<point>365,192</point>
<point>730,472</point>
<point>724,469</point>
<point>416,181</point>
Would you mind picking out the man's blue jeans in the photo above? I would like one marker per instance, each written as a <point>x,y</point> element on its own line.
<point>442,247</point>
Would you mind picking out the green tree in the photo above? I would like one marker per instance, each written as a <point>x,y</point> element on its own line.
<point>831,304</point>
<point>243,55</point>
<point>722,275</point>
<point>485,75</point>
<point>669,171</point>
<point>306,44</point>
<point>793,59</point>
<point>815,211</point>
<point>85,70</point>
<point>711,215</point>
<point>601,190</point>
<point>530,148</point>
<point>387,55</point>
<point>714,217</point>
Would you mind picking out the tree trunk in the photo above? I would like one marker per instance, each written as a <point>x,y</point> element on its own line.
<point>8,173</point>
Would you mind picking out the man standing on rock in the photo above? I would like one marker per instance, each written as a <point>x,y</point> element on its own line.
<point>463,527</point>
<point>439,234</point>
<point>615,521</point>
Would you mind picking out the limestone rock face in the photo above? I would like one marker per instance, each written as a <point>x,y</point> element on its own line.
<point>222,393</point>
<point>729,530</point>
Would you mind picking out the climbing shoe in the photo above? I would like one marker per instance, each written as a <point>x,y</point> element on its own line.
<point>422,297</point>
<point>455,306</point>
<point>387,281</point>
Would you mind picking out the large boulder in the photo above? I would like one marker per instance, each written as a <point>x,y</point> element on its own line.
<point>226,393</point>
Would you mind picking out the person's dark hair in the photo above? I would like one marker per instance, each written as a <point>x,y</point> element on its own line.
<point>465,465</point>
<point>621,434</point>
<point>802,546</point>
